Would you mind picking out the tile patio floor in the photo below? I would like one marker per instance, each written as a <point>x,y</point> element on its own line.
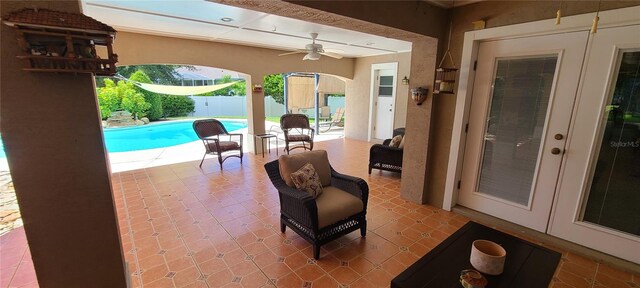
<point>186,227</point>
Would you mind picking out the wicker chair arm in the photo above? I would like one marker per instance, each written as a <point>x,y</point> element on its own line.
<point>353,185</point>
<point>236,134</point>
<point>294,203</point>
<point>312,132</point>
<point>299,205</point>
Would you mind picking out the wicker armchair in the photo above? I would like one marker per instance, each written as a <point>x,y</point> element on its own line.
<point>296,129</point>
<point>209,131</point>
<point>384,157</point>
<point>339,210</point>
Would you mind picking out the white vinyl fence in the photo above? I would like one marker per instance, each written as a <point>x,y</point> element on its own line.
<point>212,106</point>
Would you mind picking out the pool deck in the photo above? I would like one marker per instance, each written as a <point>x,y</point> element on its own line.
<point>126,161</point>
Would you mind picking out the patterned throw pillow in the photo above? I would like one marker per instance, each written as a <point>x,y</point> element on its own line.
<point>395,141</point>
<point>306,179</point>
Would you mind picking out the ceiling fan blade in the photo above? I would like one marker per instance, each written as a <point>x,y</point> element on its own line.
<point>294,52</point>
<point>332,55</point>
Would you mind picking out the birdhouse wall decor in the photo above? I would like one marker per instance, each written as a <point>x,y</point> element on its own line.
<point>55,41</point>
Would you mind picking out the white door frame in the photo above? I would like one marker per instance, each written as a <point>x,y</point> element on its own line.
<point>372,95</point>
<point>610,18</point>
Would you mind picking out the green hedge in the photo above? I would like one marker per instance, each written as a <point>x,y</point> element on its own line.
<point>155,109</point>
<point>177,106</point>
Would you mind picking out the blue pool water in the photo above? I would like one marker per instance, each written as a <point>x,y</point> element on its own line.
<point>2,155</point>
<point>156,135</point>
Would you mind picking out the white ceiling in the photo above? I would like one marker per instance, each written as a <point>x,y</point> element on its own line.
<point>200,19</point>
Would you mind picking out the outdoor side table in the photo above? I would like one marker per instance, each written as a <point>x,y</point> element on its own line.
<point>268,137</point>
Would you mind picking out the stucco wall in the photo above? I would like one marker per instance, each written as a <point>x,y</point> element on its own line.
<point>359,94</point>
<point>53,140</point>
<point>134,48</point>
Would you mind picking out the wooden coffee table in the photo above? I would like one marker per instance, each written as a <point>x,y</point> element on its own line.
<point>527,265</point>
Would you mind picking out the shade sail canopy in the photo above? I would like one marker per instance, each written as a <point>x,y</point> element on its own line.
<point>181,90</point>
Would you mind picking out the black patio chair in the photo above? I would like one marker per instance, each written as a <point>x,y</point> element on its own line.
<point>385,157</point>
<point>340,209</point>
<point>296,129</point>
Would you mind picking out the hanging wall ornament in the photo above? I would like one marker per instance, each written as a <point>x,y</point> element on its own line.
<point>594,27</point>
<point>559,14</point>
<point>446,76</point>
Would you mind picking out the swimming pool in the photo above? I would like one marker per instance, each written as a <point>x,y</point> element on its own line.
<point>2,155</point>
<point>157,135</point>
<point>154,135</point>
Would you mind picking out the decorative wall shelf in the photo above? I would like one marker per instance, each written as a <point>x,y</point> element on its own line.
<point>54,41</point>
<point>445,80</point>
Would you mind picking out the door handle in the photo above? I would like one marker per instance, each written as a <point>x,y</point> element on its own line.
<point>389,110</point>
<point>558,136</point>
<point>556,151</point>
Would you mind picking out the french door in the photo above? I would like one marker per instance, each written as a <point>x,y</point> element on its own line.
<point>523,97</point>
<point>599,190</point>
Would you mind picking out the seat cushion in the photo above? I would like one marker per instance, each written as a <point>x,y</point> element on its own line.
<point>224,145</point>
<point>335,204</point>
<point>298,137</point>
<point>292,163</point>
<point>306,179</point>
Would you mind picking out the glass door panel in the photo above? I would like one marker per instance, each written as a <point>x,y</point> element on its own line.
<point>516,120</point>
<point>614,194</point>
<point>598,192</point>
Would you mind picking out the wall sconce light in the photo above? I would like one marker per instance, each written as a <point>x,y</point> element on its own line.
<point>257,88</point>
<point>405,81</point>
<point>419,94</point>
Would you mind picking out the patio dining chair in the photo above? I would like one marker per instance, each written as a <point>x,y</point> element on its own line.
<point>296,129</point>
<point>210,131</point>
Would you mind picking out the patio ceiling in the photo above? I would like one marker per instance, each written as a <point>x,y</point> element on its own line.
<point>204,20</point>
<point>452,3</point>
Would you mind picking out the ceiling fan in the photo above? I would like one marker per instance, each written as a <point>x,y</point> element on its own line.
<point>313,51</point>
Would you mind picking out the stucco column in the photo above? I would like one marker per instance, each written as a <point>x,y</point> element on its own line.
<point>416,149</point>
<point>53,140</point>
<point>255,112</point>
